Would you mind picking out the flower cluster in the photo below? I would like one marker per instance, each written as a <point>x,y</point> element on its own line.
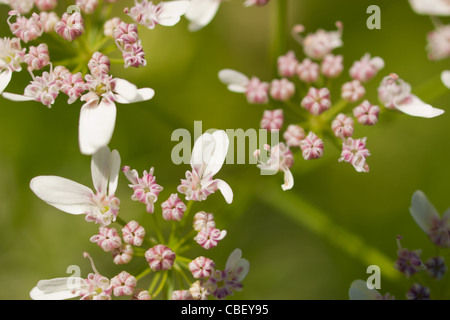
<point>127,243</point>
<point>304,88</point>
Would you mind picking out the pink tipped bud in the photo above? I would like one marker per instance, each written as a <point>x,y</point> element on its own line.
<point>73,85</point>
<point>99,64</point>
<point>45,5</point>
<point>366,68</point>
<point>257,91</point>
<point>201,267</point>
<point>160,257</point>
<point>21,6</point>
<point>332,66</point>
<point>181,295</point>
<point>317,100</point>
<point>312,147</point>
<point>133,55</point>
<point>272,120</point>
<point>317,45</point>
<point>209,237</point>
<point>110,25</point>
<point>366,113</point>
<point>308,71</point>
<point>107,238</point>
<point>133,233</point>
<point>71,26</point>
<point>173,208</point>
<point>352,91</point>
<point>354,151</point>
<point>141,295</point>
<point>393,91</point>
<point>87,6</point>
<point>438,43</point>
<point>43,89</point>
<point>123,254</point>
<point>203,220</point>
<point>123,284</point>
<point>249,3</point>
<point>199,291</point>
<point>26,29</point>
<point>342,126</point>
<point>37,57</point>
<point>126,33</point>
<point>49,20</point>
<point>282,89</point>
<point>293,135</point>
<point>287,65</point>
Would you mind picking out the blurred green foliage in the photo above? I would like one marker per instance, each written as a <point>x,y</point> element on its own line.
<point>288,260</point>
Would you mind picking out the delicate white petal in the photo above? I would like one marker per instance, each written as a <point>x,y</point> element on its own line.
<point>359,291</point>
<point>100,169</point>
<point>114,172</point>
<point>172,11</point>
<point>56,289</point>
<point>244,265</point>
<point>422,211</point>
<point>445,77</point>
<point>236,81</point>
<point>233,259</point>
<point>142,94</point>
<point>16,97</point>
<point>64,194</point>
<point>125,89</point>
<point>96,126</point>
<point>225,189</point>
<point>218,155</point>
<point>431,7</point>
<point>5,78</point>
<point>288,179</point>
<point>201,12</point>
<point>202,152</point>
<point>413,106</point>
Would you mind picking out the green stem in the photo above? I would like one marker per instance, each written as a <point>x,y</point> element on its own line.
<point>143,273</point>
<point>159,234</point>
<point>279,32</point>
<point>154,282</point>
<point>161,284</point>
<point>183,240</point>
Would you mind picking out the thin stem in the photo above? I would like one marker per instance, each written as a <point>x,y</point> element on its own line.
<point>161,284</point>
<point>158,229</point>
<point>143,273</point>
<point>279,35</point>
<point>184,239</point>
<point>154,282</point>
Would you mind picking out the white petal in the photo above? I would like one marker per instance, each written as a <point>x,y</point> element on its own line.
<point>413,106</point>
<point>431,7</point>
<point>236,81</point>
<point>114,172</point>
<point>142,94</point>
<point>422,211</point>
<point>244,266</point>
<point>225,189</point>
<point>64,194</point>
<point>125,89</point>
<point>100,169</point>
<point>96,126</point>
<point>233,259</point>
<point>445,77</point>
<point>172,11</point>
<point>202,152</point>
<point>201,12</point>
<point>359,291</point>
<point>288,179</point>
<point>218,155</point>
<point>56,289</point>
<point>5,78</point>
<point>16,97</point>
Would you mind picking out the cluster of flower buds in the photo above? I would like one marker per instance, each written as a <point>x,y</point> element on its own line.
<point>127,243</point>
<point>303,88</point>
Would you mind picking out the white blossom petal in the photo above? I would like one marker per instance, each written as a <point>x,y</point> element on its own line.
<point>413,106</point>
<point>96,126</point>
<point>217,158</point>
<point>359,291</point>
<point>236,262</point>
<point>201,12</point>
<point>142,94</point>
<point>422,211</point>
<point>225,189</point>
<point>64,194</point>
<point>288,179</point>
<point>201,152</point>
<point>114,172</point>
<point>5,78</point>
<point>100,169</point>
<point>172,12</point>
<point>445,77</point>
<point>16,97</point>
<point>125,89</point>
<point>56,289</point>
<point>236,81</point>
<point>431,7</point>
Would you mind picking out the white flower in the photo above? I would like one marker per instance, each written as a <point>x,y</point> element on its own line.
<point>201,12</point>
<point>431,7</point>
<point>445,78</point>
<point>11,56</point>
<point>74,198</point>
<point>208,156</point>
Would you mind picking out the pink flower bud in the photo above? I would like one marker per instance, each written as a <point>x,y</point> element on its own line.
<point>181,295</point>
<point>123,284</point>
<point>141,295</point>
<point>21,6</point>
<point>393,91</point>
<point>87,6</point>
<point>272,120</point>
<point>317,100</point>
<point>110,25</point>
<point>201,267</point>
<point>126,33</point>
<point>354,151</point>
<point>203,220</point>
<point>317,45</point>
<point>366,68</point>
<point>71,26</point>
<point>49,20</point>
<point>133,233</point>
<point>123,254</point>
<point>352,91</point>
<point>257,91</point>
<point>366,113</point>
<point>73,85</point>
<point>209,237</point>
<point>287,65</point>
<point>312,147</point>
<point>133,55</point>
<point>160,257</point>
<point>293,135</point>
<point>438,45</point>
<point>99,64</point>
<point>332,66</point>
<point>37,57</point>
<point>342,126</point>
<point>308,71</point>
<point>199,291</point>
<point>282,89</point>
<point>107,238</point>
<point>43,89</point>
<point>26,29</point>
<point>173,208</point>
<point>45,5</point>
<point>249,3</point>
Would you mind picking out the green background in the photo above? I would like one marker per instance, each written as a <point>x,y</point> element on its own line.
<point>294,253</point>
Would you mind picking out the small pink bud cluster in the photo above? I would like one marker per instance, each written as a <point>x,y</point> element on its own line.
<point>49,20</point>
<point>311,146</point>
<point>43,89</point>
<point>355,152</point>
<point>257,91</point>
<point>317,100</point>
<point>37,57</point>
<point>107,238</point>
<point>108,208</point>
<point>133,233</point>
<point>26,29</point>
<point>127,40</point>
<point>72,85</point>
<point>293,135</point>
<point>123,284</point>
<point>308,71</point>
<point>282,89</point>
<point>71,26</point>
<point>87,6</point>
<point>342,126</point>
<point>45,5</point>
<point>438,45</point>
<point>11,54</point>
<point>173,208</point>
<point>201,267</point>
<point>272,120</point>
<point>208,235</point>
<point>366,68</point>
<point>352,91</point>
<point>366,113</point>
<point>160,257</point>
